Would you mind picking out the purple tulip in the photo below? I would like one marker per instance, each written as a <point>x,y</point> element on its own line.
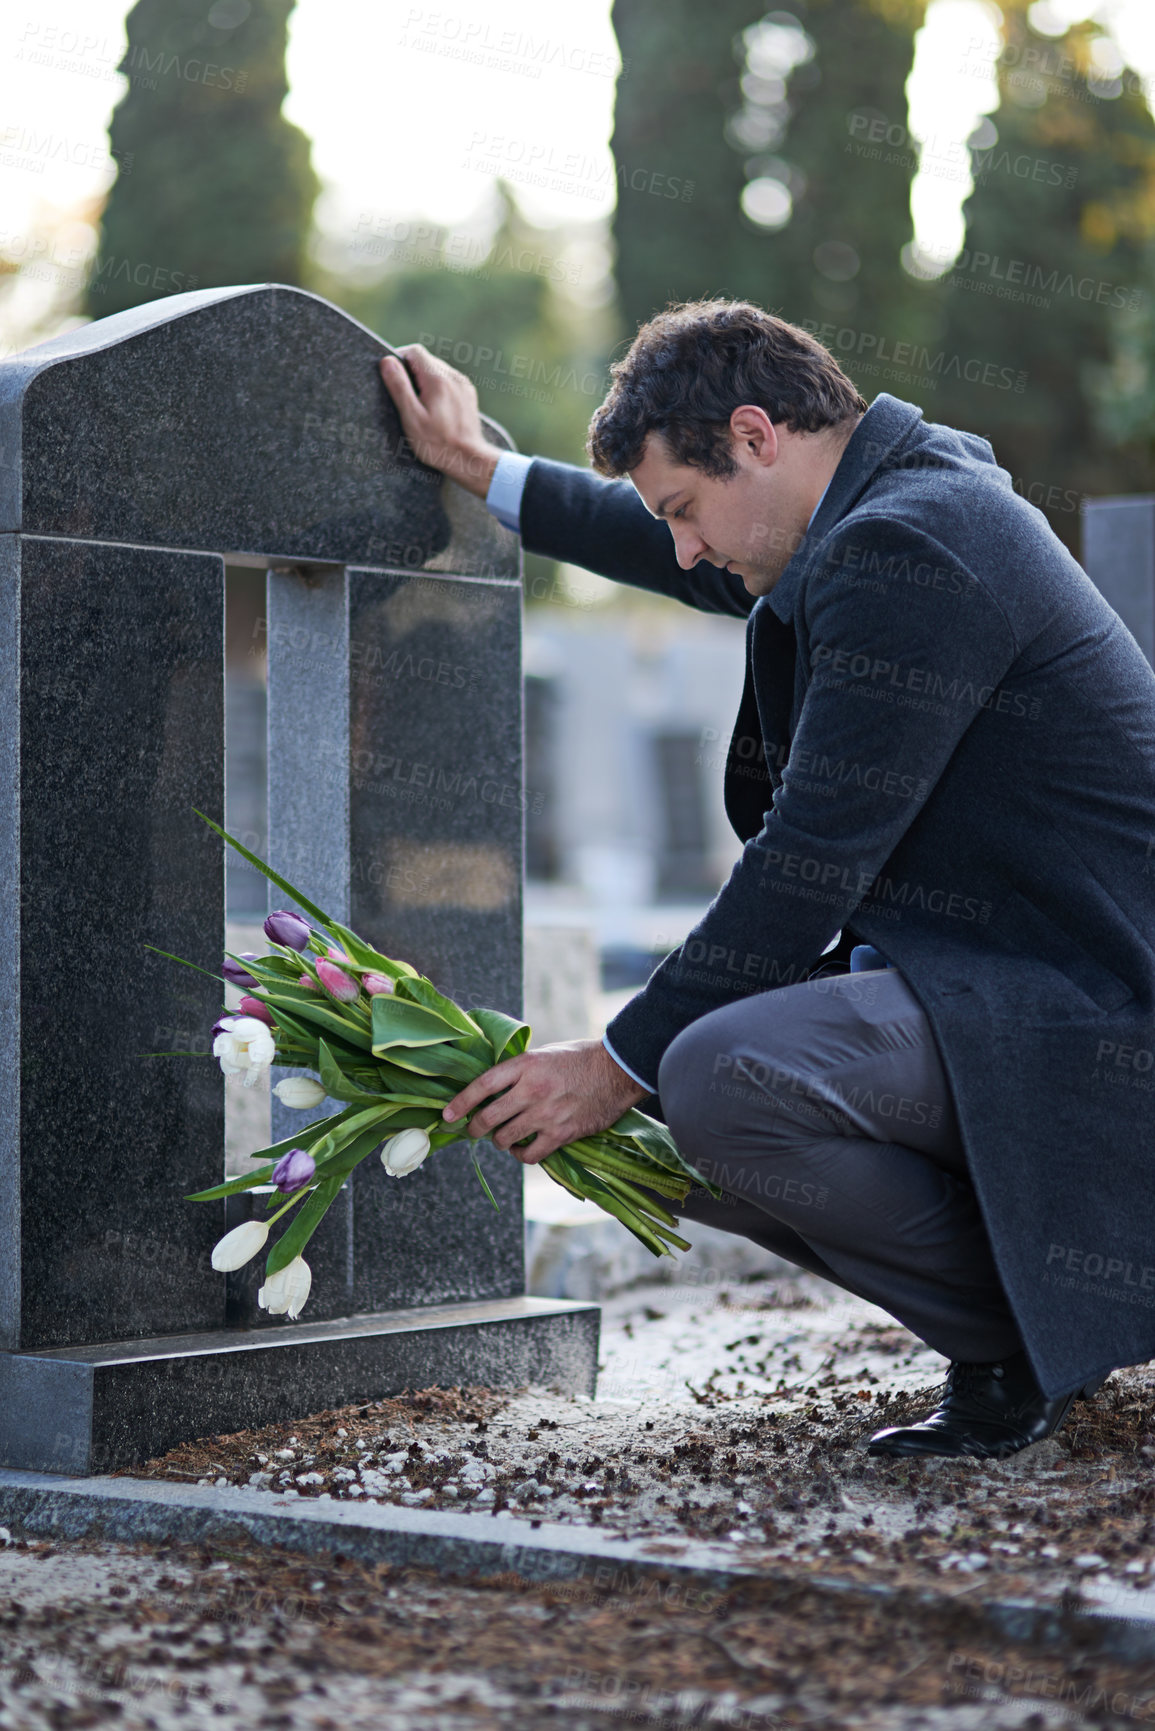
<point>293,1171</point>
<point>255,1007</point>
<point>235,974</point>
<point>285,927</point>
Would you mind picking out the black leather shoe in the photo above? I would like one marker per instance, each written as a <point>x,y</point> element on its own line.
<point>987,1411</point>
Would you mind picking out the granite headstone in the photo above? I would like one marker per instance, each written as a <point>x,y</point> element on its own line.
<point>136,454</point>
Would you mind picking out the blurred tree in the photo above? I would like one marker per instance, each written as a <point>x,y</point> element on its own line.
<point>747,160</point>
<point>538,362</point>
<point>1055,270</point>
<point>495,312</point>
<point>215,185</point>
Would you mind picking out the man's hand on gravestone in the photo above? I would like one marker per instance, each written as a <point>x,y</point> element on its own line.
<point>443,424</point>
<point>553,1094</point>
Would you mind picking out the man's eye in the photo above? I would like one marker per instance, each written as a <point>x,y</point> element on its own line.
<point>680,512</point>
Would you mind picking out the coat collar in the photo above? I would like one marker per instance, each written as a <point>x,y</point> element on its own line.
<point>884,426</point>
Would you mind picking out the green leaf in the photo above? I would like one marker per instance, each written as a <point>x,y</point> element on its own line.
<point>169,957</point>
<point>336,1083</point>
<point>322,1016</point>
<point>267,871</point>
<point>507,1036</point>
<point>234,1185</point>
<point>424,992</point>
<point>358,1120</point>
<point>481,1180</point>
<point>363,1145</point>
<point>304,1223</point>
<point>398,1022</point>
<point>436,1061</point>
<point>365,956</point>
<point>306,1137</point>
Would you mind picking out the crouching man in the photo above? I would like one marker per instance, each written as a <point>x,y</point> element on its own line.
<point>944,752</point>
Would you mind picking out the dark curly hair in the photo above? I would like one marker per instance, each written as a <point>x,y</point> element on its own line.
<point>691,366</point>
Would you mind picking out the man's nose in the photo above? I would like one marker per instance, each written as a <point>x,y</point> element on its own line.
<point>688,547</point>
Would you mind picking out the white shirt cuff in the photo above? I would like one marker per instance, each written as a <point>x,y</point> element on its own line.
<point>633,1074</point>
<point>506,488</point>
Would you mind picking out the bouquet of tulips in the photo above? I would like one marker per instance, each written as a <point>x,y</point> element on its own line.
<point>380,1037</point>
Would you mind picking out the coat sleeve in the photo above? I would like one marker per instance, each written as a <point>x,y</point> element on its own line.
<point>860,768</point>
<point>569,514</point>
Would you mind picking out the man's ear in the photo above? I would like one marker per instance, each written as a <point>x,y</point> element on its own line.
<point>754,433</point>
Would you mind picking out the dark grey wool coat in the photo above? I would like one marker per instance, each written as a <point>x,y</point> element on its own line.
<point>946,746</point>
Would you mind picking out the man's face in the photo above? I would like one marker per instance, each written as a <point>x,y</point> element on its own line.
<point>745,524</point>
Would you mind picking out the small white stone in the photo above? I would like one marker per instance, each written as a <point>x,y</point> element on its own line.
<point>486,1496</point>
<point>1089,1560</point>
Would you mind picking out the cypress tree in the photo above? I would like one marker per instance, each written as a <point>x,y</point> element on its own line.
<point>742,146</point>
<point>215,186</point>
<point>1053,268</point>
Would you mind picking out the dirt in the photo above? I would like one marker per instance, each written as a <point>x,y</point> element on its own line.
<point>781,1474</point>
<point>171,1636</point>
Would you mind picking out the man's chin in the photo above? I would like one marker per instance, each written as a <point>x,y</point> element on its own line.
<point>755,580</point>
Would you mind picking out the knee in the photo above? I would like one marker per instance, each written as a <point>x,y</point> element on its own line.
<point>688,1075</point>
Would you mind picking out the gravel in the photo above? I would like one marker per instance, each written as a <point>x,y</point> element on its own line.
<point>740,1415</point>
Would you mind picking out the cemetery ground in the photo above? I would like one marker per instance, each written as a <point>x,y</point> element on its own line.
<point>851,1591</point>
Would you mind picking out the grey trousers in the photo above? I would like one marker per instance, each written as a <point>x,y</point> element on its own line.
<point>823,1113</point>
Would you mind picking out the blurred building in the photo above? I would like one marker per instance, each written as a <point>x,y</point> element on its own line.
<point>628,718</point>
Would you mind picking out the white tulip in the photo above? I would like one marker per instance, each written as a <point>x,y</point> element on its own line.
<point>245,1048</point>
<point>404,1153</point>
<point>239,1246</point>
<point>300,1092</point>
<point>287,1290</point>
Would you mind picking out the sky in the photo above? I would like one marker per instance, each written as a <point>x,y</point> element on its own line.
<point>414,110</point>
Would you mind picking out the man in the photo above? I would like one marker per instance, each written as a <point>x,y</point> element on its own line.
<point>946,752</point>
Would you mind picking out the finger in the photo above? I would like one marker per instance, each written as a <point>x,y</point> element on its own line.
<point>522,1128</point>
<point>536,1151</point>
<point>489,1082</point>
<point>423,365</point>
<point>398,383</point>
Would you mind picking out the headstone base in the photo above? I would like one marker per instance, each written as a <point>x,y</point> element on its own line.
<point>93,1408</point>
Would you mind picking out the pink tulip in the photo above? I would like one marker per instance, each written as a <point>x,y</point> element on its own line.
<point>254,1007</point>
<point>375,983</point>
<point>337,983</point>
<point>308,980</point>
